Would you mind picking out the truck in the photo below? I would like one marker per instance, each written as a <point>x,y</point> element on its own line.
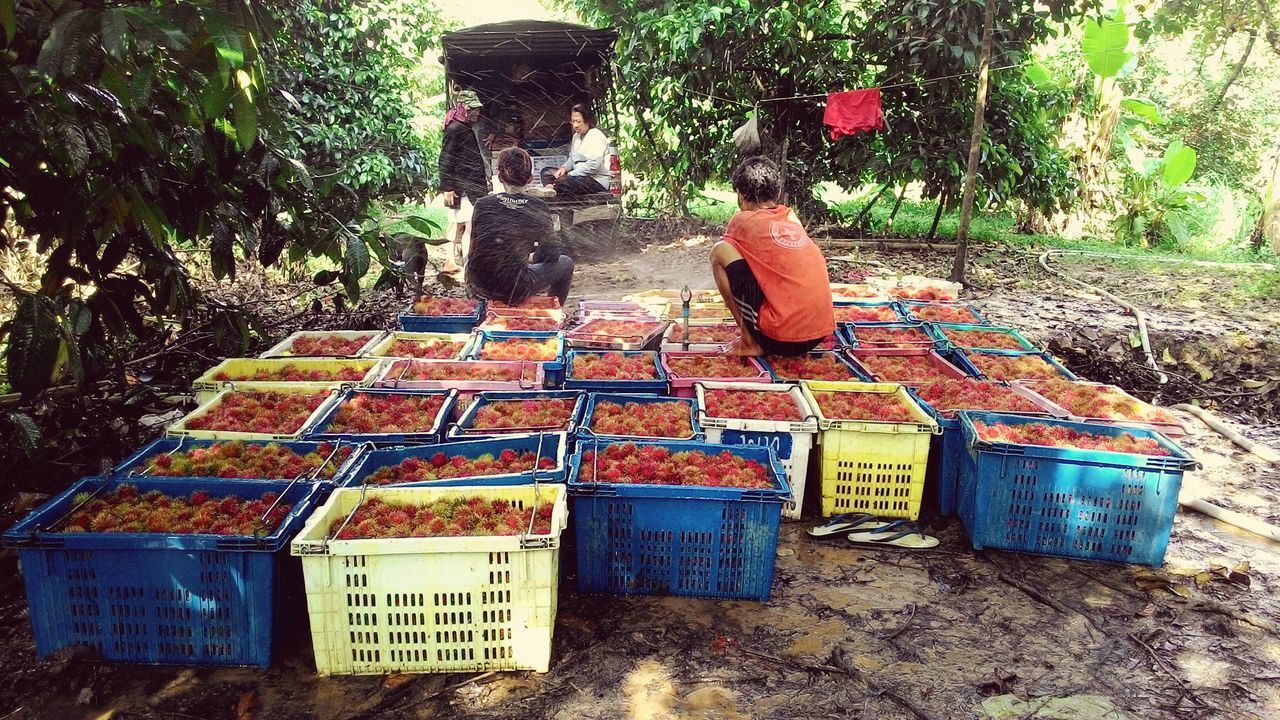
<point>528,73</point>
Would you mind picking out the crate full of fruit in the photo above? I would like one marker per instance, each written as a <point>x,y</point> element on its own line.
<point>492,414</point>
<point>523,319</point>
<point>433,579</point>
<point>909,366</point>
<point>615,334</point>
<point>232,414</point>
<point>1011,365</point>
<point>915,287</point>
<point>676,518</point>
<point>462,375</point>
<point>944,399</point>
<point>615,371</point>
<point>873,443</point>
<point>968,335</point>
<point>685,369</point>
<point>523,346</point>
<point>442,315</point>
<point>184,458</point>
<point>509,460</point>
<point>1097,402</point>
<point>386,417</point>
<point>158,570</point>
<point>326,343</point>
<point>813,365</point>
<point>884,335</point>
<point>1070,489</point>
<point>275,373</point>
<point>423,346</point>
<point>609,416</point>
<point>941,312</point>
<point>774,416</point>
<point>860,312</point>
<point>704,336</point>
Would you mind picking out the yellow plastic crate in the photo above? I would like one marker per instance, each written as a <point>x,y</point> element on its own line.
<point>180,427</point>
<point>446,604</point>
<point>206,386</point>
<point>872,467</point>
<point>284,348</point>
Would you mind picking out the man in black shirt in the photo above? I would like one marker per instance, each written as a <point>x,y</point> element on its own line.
<point>463,178</point>
<point>506,229</point>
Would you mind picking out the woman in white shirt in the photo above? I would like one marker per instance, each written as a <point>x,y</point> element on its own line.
<point>587,169</point>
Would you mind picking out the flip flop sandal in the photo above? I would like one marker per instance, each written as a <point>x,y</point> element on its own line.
<point>900,534</point>
<point>845,523</point>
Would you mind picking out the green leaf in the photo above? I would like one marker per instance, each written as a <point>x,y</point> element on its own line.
<point>1104,44</point>
<point>246,119</point>
<point>1143,108</point>
<point>8,21</point>
<point>325,277</point>
<point>25,430</point>
<point>423,225</point>
<point>114,31</point>
<point>79,317</point>
<point>150,24</point>
<point>35,343</point>
<point>225,37</point>
<point>1179,164</point>
<point>1038,75</point>
<point>355,261</point>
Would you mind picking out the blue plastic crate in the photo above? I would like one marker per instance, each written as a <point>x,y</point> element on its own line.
<point>967,355</point>
<point>461,430</point>
<point>553,370</point>
<point>846,334</point>
<point>893,306</point>
<point>855,375</point>
<point>939,333</point>
<point>155,598</point>
<point>412,322</point>
<point>658,385</point>
<point>585,433</point>
<point>1088,504</point>
<point>676,540</point>
<point>319,430</point>
<point>546,445</point>
<point>136,464</point>
<point>909,306</point>
<point>947,451</point>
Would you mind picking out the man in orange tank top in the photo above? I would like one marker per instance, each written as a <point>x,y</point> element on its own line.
<point>773,278</point>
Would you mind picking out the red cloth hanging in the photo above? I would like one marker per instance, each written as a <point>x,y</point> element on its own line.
<point>852,112</point>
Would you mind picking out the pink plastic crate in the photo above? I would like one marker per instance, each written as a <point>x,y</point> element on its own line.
<point>683,386</point>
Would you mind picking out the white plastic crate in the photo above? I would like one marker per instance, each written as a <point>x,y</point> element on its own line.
<point>448,604</point>
<point>790,441</point>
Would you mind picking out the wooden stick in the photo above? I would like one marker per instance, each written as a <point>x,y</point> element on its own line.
<point>845,669</point>
<point>1186,689</point>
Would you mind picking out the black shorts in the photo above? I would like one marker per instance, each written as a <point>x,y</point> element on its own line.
<point>750,298</point>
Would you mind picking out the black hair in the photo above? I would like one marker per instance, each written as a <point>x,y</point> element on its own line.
<point>758,180</point>
<point>515,167</point>
<point>584,110</point>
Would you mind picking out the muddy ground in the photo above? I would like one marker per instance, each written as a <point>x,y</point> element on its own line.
<point>849,632</point>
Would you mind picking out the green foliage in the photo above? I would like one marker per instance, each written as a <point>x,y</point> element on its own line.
<point>694,69</point>
<point>359,83</point>
<point>1105,44</point>
<point>136,131</point>
<point>1155,205</point>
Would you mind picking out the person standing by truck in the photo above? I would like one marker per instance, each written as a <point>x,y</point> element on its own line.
<point>587,169</point>
<point>463,178</point>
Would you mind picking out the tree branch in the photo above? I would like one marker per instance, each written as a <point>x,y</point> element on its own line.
<point>1235,74</point>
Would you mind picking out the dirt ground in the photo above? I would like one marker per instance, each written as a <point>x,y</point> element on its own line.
<point>848,632</point>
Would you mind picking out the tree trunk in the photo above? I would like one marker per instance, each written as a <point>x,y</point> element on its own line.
<point>937,216</point>
<point>975,145</point>
<point>1267,228</point>
<point>1101,131</point>
<point>866,209</point>
<point>894,213</point>
<point>1235,74</point>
